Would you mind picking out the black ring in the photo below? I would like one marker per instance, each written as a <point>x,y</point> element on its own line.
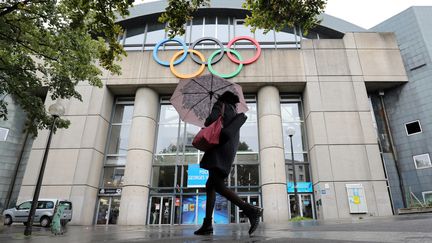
<point>215,60</point>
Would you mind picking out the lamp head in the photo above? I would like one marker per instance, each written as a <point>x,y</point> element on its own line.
<point>290,131</point>
<point>56,109</point>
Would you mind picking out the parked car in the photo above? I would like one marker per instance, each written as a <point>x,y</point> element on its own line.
<point>43,215</point>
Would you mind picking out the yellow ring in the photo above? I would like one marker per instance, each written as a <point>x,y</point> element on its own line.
<point>180,75</point>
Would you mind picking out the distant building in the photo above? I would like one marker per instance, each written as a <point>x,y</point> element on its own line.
<point>409,108</point>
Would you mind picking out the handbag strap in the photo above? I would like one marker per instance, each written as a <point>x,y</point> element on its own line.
<point>223,110</point>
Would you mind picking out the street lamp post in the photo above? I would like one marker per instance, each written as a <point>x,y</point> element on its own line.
<point>291,132</point>
<point>56,110</point>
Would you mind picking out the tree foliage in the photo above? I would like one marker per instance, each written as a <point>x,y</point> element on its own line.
<point>54,45</point>
<point>178,13</point>
<point>278,14</point>
<point>265,14</point>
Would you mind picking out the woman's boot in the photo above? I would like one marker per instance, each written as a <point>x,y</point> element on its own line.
<point>206,228</point>
<point>254,214</point>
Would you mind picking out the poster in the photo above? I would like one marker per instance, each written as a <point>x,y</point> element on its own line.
<point>301,186</point>
<point>197,177</point>
<point>356,198</point>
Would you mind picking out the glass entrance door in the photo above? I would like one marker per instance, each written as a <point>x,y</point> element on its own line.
<point>108,210</point>
<point>160,210</point>
<point>305,204</point>
<point>251,199</point>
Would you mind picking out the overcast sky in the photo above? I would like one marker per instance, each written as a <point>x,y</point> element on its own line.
<point>364,13</point>
<point>368,13</point>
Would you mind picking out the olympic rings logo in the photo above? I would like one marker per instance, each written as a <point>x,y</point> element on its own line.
<point>214,58</point>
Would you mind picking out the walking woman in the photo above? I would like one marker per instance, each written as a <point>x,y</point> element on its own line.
<point>218,162</point>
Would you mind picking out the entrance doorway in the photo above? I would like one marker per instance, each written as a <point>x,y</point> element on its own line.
<point>305,204</point>
<point>240,217</point>
<point>161,209</point>
<point>108,210</point>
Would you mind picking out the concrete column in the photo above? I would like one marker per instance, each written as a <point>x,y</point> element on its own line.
<point>134,199</point>
<point>273,175</point>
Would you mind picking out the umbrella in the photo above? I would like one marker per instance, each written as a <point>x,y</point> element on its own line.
<point>194,98</point>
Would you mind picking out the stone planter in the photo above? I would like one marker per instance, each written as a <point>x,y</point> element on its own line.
<point>415,210</point>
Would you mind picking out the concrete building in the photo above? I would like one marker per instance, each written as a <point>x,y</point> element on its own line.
<point>409,109</point>
<point>126,157</point>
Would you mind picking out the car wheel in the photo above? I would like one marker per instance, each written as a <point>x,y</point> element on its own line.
<point>45,221</point>
<point>8,220</point>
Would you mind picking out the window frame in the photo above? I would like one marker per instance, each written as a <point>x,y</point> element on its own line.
<point>424,193</point>
<point>406,130</point>
<point>425,167</point>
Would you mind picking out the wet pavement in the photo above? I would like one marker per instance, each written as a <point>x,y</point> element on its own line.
<point>407,228</point>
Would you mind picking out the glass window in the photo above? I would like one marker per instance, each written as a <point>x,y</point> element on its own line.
<point>25,205</point>
<point>68,205</point>
<point>155,33</point>
<point>116,160</point>
<point>222,29</point>
<point>167,138</point>
<point>286,38</point>
<point>247,175</point>
<point>413,128</point>
<point>249,131</point>
<point>123,113</point>
<point>197,28</point>
<point>163,176</point>
<point>113,176</point>
<point>210,26</point>
<point>302,173</point>
<point>119,139</point>
<point>427,197</point>
<point>266,40</point>
<point>134,38</point>
<point>422,161</point>
<point>292,118</point>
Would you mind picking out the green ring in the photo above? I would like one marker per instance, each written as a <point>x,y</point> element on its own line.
<point>230,75</point>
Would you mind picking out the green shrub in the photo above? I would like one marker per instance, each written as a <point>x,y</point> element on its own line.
<point>298,218</point>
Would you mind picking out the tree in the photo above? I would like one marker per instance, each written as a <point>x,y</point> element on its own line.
<point>54,45</point>
<point>265,14</point>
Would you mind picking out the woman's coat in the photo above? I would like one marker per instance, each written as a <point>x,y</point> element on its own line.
<point>221,157</point>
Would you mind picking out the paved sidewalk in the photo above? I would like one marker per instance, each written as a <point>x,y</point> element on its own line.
<point>408,228</point>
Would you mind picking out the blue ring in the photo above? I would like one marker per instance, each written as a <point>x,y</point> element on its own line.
<point>166,64</point>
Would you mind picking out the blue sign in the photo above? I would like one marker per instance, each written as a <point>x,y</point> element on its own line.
<point>301,187</point>
<point>197,177</point>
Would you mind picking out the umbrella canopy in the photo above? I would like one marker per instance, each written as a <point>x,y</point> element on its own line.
<point>194,98</point>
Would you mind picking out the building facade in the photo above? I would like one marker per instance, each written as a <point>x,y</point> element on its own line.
<point>409,110</point>
<point>127,157</point>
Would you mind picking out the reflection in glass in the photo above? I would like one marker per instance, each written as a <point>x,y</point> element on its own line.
<point>290,112</point>
<point>118,143</point>
<point>123,113</point>
<point>168,115</point>
<point>247,175</point>
<point>135,38</point>
<point>210,26</point>
<point>298,142</point>
<point>197,28</point>
<point>163,176</point>
<point>222,29</point>
<point>302,173</point>
<point>155,33</point>
<point>167,138</point>
<point>115,160</point>
<point>113,176</point>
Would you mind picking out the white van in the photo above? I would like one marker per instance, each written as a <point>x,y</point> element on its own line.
<point>43,215</point>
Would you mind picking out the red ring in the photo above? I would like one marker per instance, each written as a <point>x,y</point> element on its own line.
<point>248,61</point>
